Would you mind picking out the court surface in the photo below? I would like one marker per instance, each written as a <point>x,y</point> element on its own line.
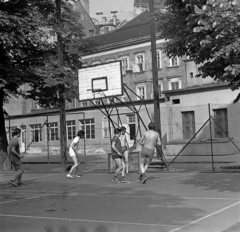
<point>168,202</point>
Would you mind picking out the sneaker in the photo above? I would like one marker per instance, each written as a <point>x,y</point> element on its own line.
<point>124,180</point>
<point>115,180</point>
<point>139,179</point>
<point>69,176</point>
<point>13,183</point>
<point>144,180</point>
<point>76,176</point>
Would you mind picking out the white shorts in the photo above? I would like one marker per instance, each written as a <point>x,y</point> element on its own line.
<point>72,152</point>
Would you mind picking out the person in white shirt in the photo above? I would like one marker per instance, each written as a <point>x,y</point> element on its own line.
<point>73,154</point>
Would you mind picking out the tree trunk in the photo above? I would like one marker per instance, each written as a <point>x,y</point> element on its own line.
<point>4,160</point>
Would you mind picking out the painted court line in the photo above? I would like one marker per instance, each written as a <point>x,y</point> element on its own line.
<point>55,193</point>
<point>205,217</point>
<point>84,220</point>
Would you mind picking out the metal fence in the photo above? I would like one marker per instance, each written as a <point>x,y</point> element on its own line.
<point>195,138</point>
<point>202,138</point>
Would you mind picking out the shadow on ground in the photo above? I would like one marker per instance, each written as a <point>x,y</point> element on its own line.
<point>215,181</point>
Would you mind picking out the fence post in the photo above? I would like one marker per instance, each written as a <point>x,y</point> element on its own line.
<point>48,139</point>
<point>210,125</point>
<point>9,127</point>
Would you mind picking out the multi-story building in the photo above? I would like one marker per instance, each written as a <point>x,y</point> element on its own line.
<point>184,98</point>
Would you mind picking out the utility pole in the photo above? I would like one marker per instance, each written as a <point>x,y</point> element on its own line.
<point>63,139</point>
<point>157,118</point>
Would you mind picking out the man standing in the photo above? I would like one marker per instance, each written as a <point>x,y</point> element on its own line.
<point>148,141</point>
<point>125,148</point>
<point>15,158</point>
<point>117,156</point>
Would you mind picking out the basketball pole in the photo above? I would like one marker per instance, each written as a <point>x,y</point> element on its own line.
<point>157,119</point>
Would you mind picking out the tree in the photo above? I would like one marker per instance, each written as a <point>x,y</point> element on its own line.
<point>27,56</point>
<point>208,31</point>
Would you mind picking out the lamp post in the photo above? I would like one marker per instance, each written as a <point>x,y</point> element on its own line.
<point>157,118</point>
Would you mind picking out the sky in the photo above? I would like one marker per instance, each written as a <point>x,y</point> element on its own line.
<point>110,5</point>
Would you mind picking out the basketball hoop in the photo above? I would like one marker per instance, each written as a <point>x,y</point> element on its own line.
<point>101,81</point>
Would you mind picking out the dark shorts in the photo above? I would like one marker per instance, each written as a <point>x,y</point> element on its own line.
<point>124,149</point>
<point>147,153</point>
<point>115,156</point>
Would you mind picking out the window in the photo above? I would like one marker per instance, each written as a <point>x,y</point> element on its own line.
<point>188,124</point>
<point>111,100</point>
<point>23,133</point>
<point>88,126</point>
<point>175,83</point>
<point>125,64</point>
<point>141,91</point>
<point>175,101</point>
<point>132,126</point>
<point>36,133</point>
<point>36,106</point>
<point>159,61</point>
<point>123,98</point>
<point>109,60</point>
<point>52,131</point>
<point>84,103</point>
<point>97,102</point>
<point>221,123</point>
<point>139,60</point>
<point>95,62</point>
<point>105,126</point>
<point>91,33</point>
<point>173,61</point>
<point>71,129</point>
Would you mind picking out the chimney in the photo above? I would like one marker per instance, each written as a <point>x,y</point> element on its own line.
<point>114,17</point>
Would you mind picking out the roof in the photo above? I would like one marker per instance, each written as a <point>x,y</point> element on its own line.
<point>197,88</point>
<point>157,3</point>
<point>137,28</point>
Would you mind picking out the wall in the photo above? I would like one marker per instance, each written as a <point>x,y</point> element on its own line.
<point>198,102</point>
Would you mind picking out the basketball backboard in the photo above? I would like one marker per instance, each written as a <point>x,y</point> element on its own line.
<point>100,81</point>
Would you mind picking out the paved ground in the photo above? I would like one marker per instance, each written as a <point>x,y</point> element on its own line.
<point>168,202</point>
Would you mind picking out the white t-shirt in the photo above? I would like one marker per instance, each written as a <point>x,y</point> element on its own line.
<point>73,144</point>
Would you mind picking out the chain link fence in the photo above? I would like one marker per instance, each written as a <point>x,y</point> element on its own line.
<point>195,138</point>
<point>203,137</point>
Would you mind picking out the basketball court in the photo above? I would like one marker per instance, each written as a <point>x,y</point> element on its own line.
<point>168,202</point>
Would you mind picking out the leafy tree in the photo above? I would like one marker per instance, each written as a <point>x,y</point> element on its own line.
<point>27,56</point>
<point>206,30</point>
